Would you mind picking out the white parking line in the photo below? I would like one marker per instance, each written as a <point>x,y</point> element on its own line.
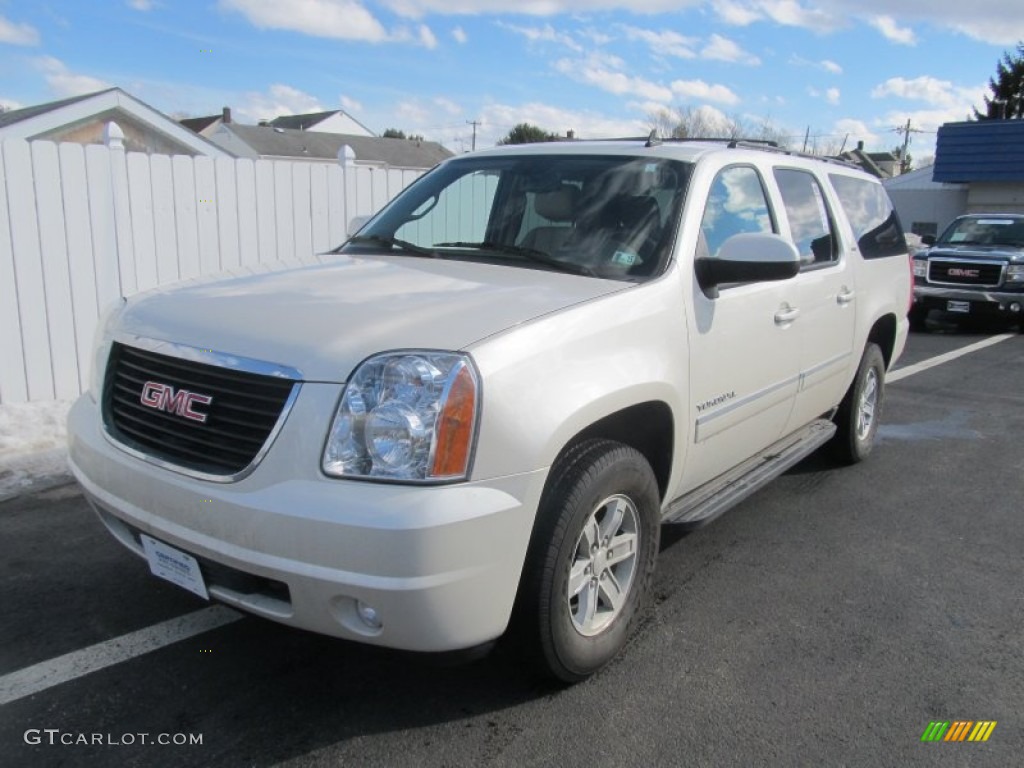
<point>931,362</point>
<point>47,674</point>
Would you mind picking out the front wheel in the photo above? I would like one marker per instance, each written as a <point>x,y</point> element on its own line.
<point>859,413</point>
<point>591,558</point>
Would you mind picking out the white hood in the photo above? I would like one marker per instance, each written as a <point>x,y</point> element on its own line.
<point>325,319</point>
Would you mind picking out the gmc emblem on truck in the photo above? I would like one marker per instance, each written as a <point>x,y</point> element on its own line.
<point>162,397</point>
<point>961,272</point>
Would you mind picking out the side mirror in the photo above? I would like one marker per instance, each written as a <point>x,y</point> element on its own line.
<point>750,257</point>
<point>928,240</point>
<point>355,224</point>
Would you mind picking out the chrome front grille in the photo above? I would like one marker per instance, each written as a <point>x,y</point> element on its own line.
<point>205,419</point>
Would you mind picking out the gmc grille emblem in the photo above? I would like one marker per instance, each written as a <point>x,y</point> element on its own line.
<point>163,397</point>
<point>961,272</point>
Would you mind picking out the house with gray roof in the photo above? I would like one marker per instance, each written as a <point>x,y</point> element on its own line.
<point>276,143</point>
<point>332,121</point>
<point>86,119</point>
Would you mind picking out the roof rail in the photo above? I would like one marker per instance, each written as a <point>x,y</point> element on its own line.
<point>764,145</point>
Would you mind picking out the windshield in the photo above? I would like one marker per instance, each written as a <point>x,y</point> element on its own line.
<point>608,216</point>
<point>985,231</point>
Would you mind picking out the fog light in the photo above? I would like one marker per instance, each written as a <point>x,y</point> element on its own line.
<point>368,615</point>
<point>1015,307</point>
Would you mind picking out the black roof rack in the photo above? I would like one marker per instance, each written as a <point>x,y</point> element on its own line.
<point>765,145</point>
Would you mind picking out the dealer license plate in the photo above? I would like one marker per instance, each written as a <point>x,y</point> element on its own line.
<point>958,306</point>
<point>174,565</point>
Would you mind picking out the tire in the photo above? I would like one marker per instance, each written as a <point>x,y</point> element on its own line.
<point>859,413</point>
<point>579,597</point>
<point>918,317</point>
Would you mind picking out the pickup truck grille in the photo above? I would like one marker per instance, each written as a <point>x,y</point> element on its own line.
<point>962,272</point>
<point>207,419</point>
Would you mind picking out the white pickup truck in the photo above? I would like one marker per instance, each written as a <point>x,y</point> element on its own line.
<point>480,409</point>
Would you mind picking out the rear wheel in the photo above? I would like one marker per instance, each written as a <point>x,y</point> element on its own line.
<point>591,558</point>
<point>859,413</point>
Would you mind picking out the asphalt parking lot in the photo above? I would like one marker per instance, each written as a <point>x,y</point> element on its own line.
<point>825,621</point>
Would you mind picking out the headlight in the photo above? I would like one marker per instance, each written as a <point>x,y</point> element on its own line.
<point>101,340</point>
<point>1015,273</point>
<point>920,268</point>
<point>406,416</point>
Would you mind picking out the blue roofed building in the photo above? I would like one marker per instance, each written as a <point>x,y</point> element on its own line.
<point>979,168</point>
<point>987,156</point>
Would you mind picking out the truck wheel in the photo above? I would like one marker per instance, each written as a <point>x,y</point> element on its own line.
<point>918,317</point>
<point>859,413</point>
<point>591,558</point>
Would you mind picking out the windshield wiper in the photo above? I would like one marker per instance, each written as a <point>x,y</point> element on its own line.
<point>394,242</point>
<point>530,254</point>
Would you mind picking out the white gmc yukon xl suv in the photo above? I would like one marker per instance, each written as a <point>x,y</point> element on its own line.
<point>478,411</point>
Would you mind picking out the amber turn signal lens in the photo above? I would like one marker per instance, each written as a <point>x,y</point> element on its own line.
<point>455,428</point>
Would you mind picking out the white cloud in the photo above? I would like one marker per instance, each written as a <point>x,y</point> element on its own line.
<point>597,71</point>
<point>790,13</point>
<point>460,35</point>
<point>449,106</point>
<point>737,14</point>
<point>9,104</point>
<point>17,34</point>
<point>348,104</point>
<point>994,27</point>
<point>141,5</point>
<point>63,82</point>
<point>544,34</point>
<point>831,66</point>
<point>832,95</point>
<point>892,31</point>
<point>698,89</point>
<point>664,43</point>
<point>341,19</point>
<point>939,93</point>
<point>427,38</point>
<point>499,119</point>
<point>854,131</point>
<point>278,100</point>
<point>413,111</point>
<point>722,49</point>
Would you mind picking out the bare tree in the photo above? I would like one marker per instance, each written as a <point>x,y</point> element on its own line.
<point>696,123</point>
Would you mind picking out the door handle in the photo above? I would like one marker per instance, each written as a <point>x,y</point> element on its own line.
<point>786,315</point>
<point>845,296</point>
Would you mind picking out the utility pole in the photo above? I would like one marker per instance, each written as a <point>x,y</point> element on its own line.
<point>906,131</point>
<point>807,135</point>
<point>474,123</point>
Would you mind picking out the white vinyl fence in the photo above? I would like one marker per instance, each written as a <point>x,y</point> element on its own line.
<point>82,225</point>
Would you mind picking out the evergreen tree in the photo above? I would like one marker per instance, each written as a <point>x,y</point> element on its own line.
<point>1007,88</point>
<point>525,133</point>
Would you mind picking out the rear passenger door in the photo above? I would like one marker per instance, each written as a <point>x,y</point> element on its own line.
<point>826,295</point>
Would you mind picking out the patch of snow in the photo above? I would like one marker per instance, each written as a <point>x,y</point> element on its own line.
<point>33,446</point>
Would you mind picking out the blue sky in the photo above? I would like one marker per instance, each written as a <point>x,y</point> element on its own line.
<point>842,70</point>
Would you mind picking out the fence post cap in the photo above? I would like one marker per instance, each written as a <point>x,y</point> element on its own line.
<point>346,156</point>
<point>113,136</point>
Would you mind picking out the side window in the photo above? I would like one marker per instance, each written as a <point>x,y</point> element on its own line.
<point>736,203</point>
<point>875,223</point>
<point>809,221</point>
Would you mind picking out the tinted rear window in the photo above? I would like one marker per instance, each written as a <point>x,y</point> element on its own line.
<point>875,223</point>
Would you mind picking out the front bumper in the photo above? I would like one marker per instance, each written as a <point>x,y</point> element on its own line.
<point>440,565</point>
<point>935,297</point>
